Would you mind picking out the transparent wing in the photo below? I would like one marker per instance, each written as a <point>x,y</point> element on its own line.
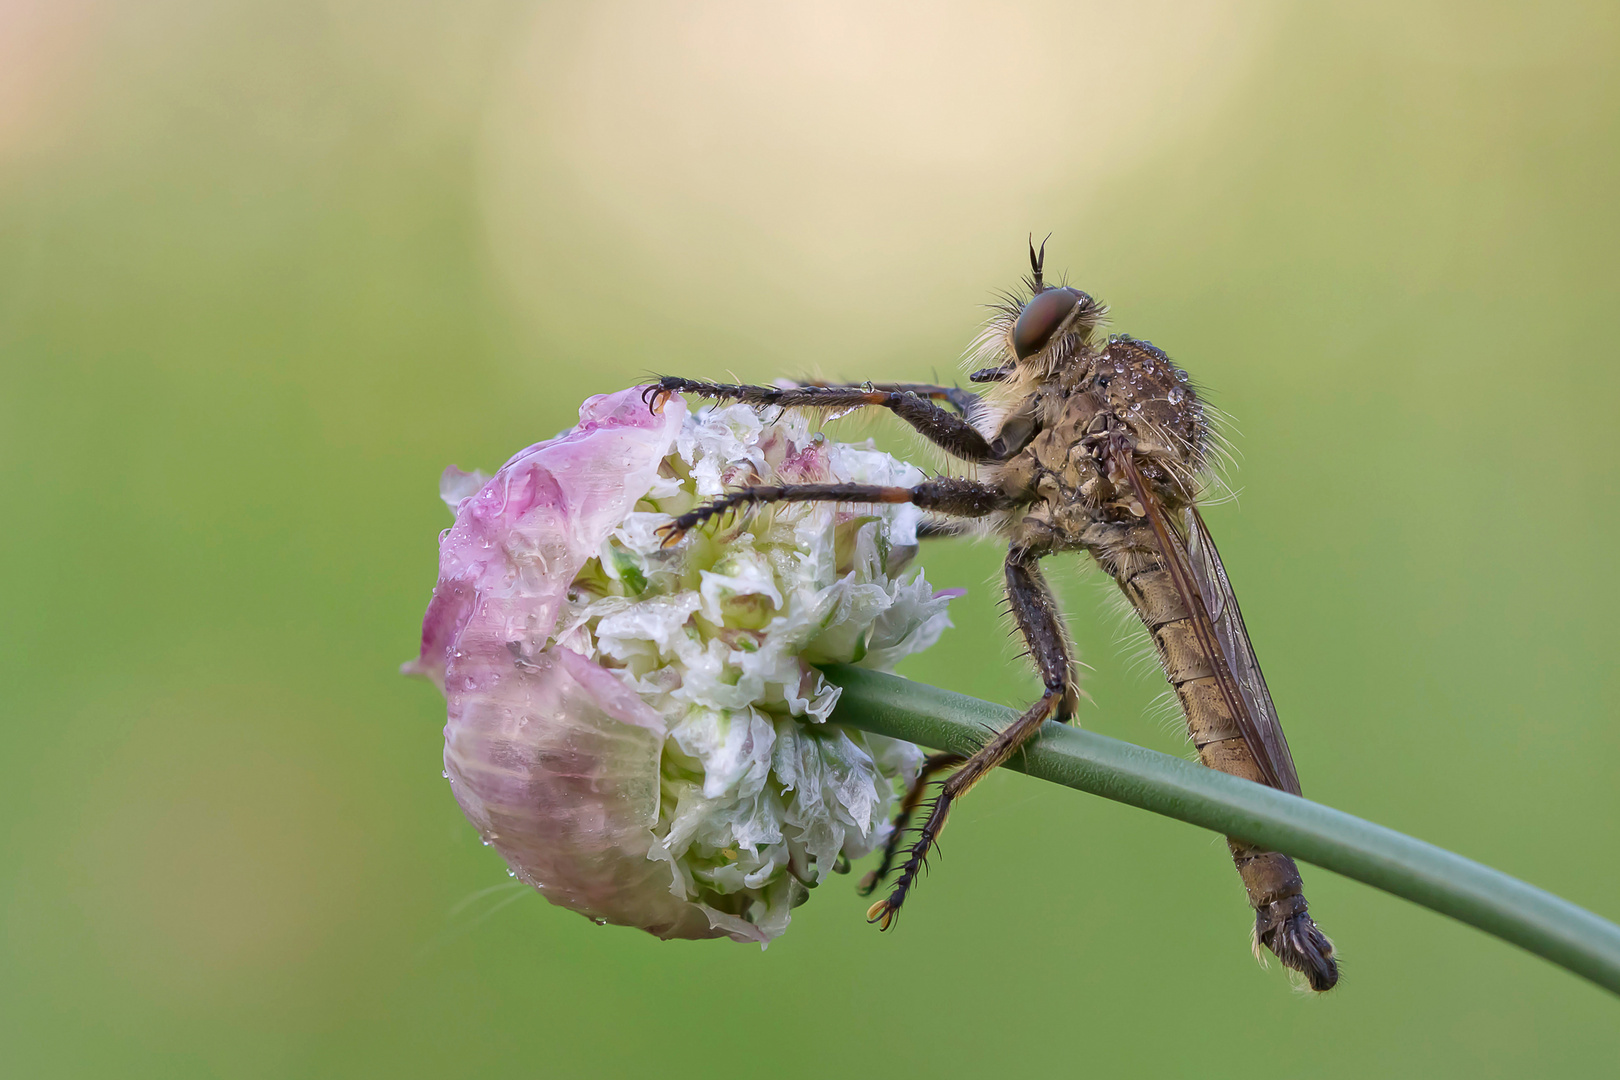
<point>1199,577</point>
<point>1221,604</point>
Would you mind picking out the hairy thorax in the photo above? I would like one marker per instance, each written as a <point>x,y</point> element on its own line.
<point>1126,396</point>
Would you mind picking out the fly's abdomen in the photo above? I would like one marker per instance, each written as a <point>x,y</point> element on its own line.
<point>1210,723</point>
<point>1282,922</point>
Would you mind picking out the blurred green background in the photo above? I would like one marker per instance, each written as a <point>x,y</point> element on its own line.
<point>267,267</point>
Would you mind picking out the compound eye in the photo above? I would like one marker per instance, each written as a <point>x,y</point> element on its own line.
<point>1040,319</point>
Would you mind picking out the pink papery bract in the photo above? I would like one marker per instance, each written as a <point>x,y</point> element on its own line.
<point>505,565</point>
<point>556,763</point>
<point>549,755</point>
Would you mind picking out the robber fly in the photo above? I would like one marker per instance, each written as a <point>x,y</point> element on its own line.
<point>1082,443</point>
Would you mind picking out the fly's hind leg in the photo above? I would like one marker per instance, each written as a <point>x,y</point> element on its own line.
<point>931,766</point>
<point>1038,620</point>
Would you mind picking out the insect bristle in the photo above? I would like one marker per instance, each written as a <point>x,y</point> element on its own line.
<point>1116,605</point>
<point>1140,655</point>
<point>1219,426</point>
<point>989,347</point>
<point>1218,437</point>
<point>1009,303</point>
<point>1216,491</point>
<point>1164,713</point>
<point>1216,479</point>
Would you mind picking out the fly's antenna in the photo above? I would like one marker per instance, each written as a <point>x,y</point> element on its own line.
<point>1037,261</point>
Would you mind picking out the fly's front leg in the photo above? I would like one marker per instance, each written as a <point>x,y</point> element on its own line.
<point>944,429</point>
<point>1037,615</point>
<point>947,495</point>
<point>963,401</point>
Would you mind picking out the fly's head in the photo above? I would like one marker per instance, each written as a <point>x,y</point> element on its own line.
<point>1039,338</point>
<point>1053,371</point>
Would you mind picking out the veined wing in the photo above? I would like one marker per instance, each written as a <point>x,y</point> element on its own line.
<point>1217,625</point>
<point>1221,604</point>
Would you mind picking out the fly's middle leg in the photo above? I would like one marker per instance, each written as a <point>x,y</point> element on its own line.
<point>1036,613</point>
<point>947,495</point>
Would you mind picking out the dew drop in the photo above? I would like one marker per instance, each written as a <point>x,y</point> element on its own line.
<point>1175,395</point>
<point>1136,406</point>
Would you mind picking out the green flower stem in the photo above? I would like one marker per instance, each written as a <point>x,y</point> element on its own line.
<point>1538,921</point>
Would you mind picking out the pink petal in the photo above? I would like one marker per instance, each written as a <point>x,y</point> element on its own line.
<point>522,538</point>
<point>557,764</point>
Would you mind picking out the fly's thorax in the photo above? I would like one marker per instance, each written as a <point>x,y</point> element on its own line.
<point>1154,402</point>
<point>1061,475</point>
<point>1128,393</point>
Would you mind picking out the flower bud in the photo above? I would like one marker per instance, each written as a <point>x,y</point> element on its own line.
<point>639,730</point>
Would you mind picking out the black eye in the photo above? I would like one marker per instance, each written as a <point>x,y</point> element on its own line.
<point>1040,319</point>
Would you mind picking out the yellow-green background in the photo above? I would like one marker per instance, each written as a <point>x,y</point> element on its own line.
<point>267,267</point>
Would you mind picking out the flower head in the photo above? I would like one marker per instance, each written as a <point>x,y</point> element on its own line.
<point>641,732</point>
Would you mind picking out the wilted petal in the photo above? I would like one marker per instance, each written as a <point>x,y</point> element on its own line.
<point>456,487</point>
<point>520,540</point>
<point>556,762</point>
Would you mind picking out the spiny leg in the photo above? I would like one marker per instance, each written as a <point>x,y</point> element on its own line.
<point>1036,613</point>
<point>963,401</point>
<point>934,763</point>
<point>944,429</point>
<point>946,495</point>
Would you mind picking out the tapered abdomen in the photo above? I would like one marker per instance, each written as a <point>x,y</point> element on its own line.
<point>1282,921</point>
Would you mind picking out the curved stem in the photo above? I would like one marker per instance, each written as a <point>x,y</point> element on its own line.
<point>1504,906</point>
